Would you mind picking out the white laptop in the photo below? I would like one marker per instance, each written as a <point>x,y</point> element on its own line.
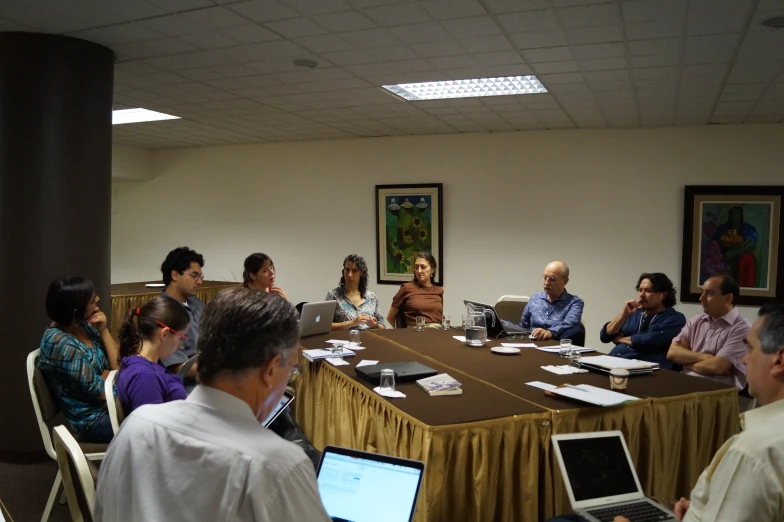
<point>316,318</point>
<point>601,480</point>
<point>358,486</point>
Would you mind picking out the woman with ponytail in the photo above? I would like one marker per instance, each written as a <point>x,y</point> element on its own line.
<point>147,335</point>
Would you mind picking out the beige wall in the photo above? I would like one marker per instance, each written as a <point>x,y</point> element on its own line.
<point>609,202</point>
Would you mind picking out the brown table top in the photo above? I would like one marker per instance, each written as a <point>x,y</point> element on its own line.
<point>125,289</point>
<point>510,373</point>
<point>478,402</point>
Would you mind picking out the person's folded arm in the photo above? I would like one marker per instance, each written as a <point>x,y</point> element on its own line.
<point>572,319</point>
<point>76,366</point>
<point>659,335</point>
<point>604,336</point>
<point>714,366</point>
<point>682,355</point>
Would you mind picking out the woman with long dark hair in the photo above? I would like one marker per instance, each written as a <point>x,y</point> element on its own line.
<point>77,353</point>
<point>357,307</point>
<point>147,336</point>
<point>259,273</point>
<point>421,297</point>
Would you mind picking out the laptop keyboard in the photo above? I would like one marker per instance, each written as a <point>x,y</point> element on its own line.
<point>637,512</point>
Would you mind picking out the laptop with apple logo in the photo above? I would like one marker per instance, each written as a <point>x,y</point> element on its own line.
<point>316,318</point>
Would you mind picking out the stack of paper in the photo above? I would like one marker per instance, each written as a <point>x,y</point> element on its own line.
<point>605,363</point>
<point>353,346</point>
<point>593,395</point>
<point>563,370</point>
<point>557,349</point>
<point>324,353</point>
<point>519,345</point>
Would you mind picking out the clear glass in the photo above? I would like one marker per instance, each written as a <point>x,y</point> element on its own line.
<point>420,324</point>
<point>566,347</point>
<point>337,350</point>
<point>445,322</point>
<point>574,358</point>
<point>476,328</point>
<point>387,379</point>
<point>464,321</point>
<point>353,339</point>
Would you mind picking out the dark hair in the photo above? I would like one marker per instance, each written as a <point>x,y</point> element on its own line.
<point>253,264</point>
<point>427,256</point>
<point>243,329</point>
<point>67,299</point>
<point>363,270</point>
<point>137,327</point>
<point>729,286</point>
<point>771,332</point>
<point>660,283</point>
<point>179,259</point>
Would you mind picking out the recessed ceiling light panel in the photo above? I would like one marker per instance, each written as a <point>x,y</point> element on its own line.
<point>507,85</point>
<point>138,116</point>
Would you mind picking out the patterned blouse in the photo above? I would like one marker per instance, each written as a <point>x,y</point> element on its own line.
<point>346,311</point>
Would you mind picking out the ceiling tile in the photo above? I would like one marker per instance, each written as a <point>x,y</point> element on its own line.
<point>446,9</point>
<point>348,21</point>
<point>658,46</point>
<point>486,44</point>
<point>172,25</point>
<point>762,46</point>
<point>714,24</point>
<point>656,72</point>
<point>129,10</point>
<point>589,15</point>
<point>611,86</point>
<point>603,64</point>
<point>348,57</point>
<point>249,34</point>
<point>753,72</point>
<point>554,79</point>
<point>471,27</point>
<point>118,34</point>
<point>214,18</point>
<point>453,62</point>
<point>602,50</point>
<point>432,49</point>
<point>263,10</point>
<point>656,83</point>
<point>651,10</point>
<point>387,54</point>
<point>421,33</point>
<point>327,43</point>
<point>652,30</point>
<point>656,60</point>
<point>529,21</point>
<point>295,27</point>
<point>370,38</point>
<point>606,76</point>
<point>599,34</point>
<point>151,48</point>
<point>548,54</point>
<point>209,40</point>
<point>540,39</point>
<point>398,14</point>
<point>314,7</point>
<point>498,58</point>
<point>737,7</point>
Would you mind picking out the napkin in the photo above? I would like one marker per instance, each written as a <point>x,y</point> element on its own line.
<point>366,362</point>
<point>389,393</point>
<point>334,361</point>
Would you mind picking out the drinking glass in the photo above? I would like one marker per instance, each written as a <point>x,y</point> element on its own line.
<point>566,347</point>
<point>464,321</point>
<point>476,328</point>
<point>420,324</point>
<point>574,358</point>
<point>337,350</point>
<point>387,379</point>
<point>445,322</point>
<point>353,338</point>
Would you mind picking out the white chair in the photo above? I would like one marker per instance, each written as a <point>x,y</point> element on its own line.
<point>47,409</point>
<point>510,307</point>
<point>78,474</point>
<point>116,413</point>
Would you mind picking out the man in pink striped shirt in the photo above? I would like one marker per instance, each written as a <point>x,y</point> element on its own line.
<point>712,345</point>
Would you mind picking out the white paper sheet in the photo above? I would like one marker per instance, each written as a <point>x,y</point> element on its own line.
<point>337,362</point>
<point>542,385</point>
<point>594,395</point>
<point>563,370</point>
<point>519,345</point>
<point>366,362</point>
<point>610,362</point>
<point>389,393</point>
<point>460,338</point>
<point>556,349</point>
<point>323,353</point>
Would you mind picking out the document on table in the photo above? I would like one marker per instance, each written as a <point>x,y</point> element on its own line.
<point>366,362</point>
<point>563,370</point>
<point>542,385</point>
<point>353,346</point>
<point>337,362</point>
<point>519,345</point>
<point>610,362</point>
<point>557,349</point>
<point>323,353</point>
<point>593,395</point>
<point>460,338</point>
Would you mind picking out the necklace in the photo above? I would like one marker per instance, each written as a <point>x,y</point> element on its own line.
<point>425,288</point>
<point>642,318</point>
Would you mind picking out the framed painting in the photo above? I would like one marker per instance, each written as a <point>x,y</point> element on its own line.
<point>735,231</point>
<point>409,219</point>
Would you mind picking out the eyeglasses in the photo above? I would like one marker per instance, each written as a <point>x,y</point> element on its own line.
<point>196,275</point>
<point>172,330</point>
<point>551,279</point>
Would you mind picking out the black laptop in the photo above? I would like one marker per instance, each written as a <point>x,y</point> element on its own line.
<point>404,371</point>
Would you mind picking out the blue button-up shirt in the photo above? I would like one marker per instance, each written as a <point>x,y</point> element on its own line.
<point>562,314</point>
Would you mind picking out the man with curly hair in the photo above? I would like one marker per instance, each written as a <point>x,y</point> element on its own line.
<point>646,326</point>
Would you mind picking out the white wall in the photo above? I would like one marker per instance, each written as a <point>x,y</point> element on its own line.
<point>131,163</point>
<point>609,202</point>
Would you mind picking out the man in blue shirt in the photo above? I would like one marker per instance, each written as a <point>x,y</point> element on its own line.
<point>646,326</point>
<point>554,313</point>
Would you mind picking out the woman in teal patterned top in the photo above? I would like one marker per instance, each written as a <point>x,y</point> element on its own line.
<point>357,307</point>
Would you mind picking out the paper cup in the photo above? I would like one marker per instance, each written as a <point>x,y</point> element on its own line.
<point>618,379</point>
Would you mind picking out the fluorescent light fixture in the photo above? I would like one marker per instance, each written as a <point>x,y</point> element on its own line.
<point>139,115</point>
<point>506,85</point>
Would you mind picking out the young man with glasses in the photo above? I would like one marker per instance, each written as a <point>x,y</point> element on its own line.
<point>209,457</point>
<point>182,276</point>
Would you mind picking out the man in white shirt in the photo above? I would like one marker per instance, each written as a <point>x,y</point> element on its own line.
<point>208,457</point>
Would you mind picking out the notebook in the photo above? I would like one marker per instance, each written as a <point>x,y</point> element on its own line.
<point>358,486</point>
<point>600,478</point>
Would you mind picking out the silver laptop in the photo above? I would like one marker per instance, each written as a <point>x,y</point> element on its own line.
<point>316,318</point>
<point>357,486</point>
<point>601,480</point>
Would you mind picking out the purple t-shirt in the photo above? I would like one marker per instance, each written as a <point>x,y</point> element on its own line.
<point>140,381</point>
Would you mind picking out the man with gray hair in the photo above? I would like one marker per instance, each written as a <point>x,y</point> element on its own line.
<point>208,457</point>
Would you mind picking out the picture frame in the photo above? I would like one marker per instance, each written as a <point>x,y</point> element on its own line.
<point>737,231</point>
<point>409,219</point>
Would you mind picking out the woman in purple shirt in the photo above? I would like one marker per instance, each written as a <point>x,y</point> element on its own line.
<point>148,335</point>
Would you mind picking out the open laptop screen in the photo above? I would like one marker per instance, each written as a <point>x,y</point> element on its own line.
<point>597,467</point>
<point>355,489</point>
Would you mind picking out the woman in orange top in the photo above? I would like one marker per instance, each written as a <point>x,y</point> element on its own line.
<point>421,297</point>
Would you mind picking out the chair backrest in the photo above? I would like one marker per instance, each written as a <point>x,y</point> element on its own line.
<point>299,307</point>
<point>78,475</point>
<point>510,307</point>
<point>187,365</point>
<point>113,404</point>
<point>46,408</point>
<point>400,319</point>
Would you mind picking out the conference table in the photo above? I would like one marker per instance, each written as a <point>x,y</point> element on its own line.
<point>487,452</point>
<point>128,296</point>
